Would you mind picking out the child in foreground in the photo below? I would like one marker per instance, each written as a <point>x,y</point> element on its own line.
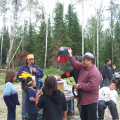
<point>10,95</point>
<point>30,98</point>
<point>52,101</point>
<point>107,97</point>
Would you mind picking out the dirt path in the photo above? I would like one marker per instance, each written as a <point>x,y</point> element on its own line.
<point>3,108</point>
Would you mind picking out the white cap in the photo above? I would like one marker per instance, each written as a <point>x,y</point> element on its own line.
<point>88,55</point>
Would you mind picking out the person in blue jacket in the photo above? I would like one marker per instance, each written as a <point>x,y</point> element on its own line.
<point>114,69</point>
<point>107,72</point>
<point>10,95</point>
<point>33,69</point>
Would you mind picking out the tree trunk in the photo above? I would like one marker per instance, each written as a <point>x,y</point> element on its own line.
<point>13,32</point>
<point>82,27</point>
<point>97,40</point>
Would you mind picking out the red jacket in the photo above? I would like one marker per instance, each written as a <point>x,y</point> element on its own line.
<point>88,80</point>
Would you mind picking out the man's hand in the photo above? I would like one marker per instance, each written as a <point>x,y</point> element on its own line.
<point>76,86</point>
<point>34,70</point>
<point>70,52</point>
<point>58,78</point>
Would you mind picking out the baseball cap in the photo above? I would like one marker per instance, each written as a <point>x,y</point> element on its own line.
<point>30,56</point>
<point>88,55</point>
<point>62,54</point>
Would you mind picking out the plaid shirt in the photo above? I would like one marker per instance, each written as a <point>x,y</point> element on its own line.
<point>88,80</point>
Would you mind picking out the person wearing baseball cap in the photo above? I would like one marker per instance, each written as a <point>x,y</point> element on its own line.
<point>35,70</point>
<point>88,55</point>
<point>88,81</point>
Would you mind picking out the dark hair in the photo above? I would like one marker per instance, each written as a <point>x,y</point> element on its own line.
<point>9,76</point>
<point>114,83</point>
<point>78,58</point>
<point>50,86</point>
<point>27,61</point>
<point>107,60</point>
<point>28,79</point>
<point>93,60</point>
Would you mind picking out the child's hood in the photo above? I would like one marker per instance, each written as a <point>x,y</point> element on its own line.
<point>57,96</point>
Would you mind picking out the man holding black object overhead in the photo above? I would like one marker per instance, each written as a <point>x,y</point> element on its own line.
<point>88,81</point>
<point>34,70</point>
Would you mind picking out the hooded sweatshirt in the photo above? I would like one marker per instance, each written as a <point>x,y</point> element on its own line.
<point>53,106</point>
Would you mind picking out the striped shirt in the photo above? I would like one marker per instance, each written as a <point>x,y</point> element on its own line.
<point>88,80</point>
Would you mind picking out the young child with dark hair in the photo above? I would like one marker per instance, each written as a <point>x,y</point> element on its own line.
<point>52,101</point>
<point>10,95</point>
<point>30,98</point>
<point>107,97</point>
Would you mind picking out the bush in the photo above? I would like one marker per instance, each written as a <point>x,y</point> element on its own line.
<point>52,71</point>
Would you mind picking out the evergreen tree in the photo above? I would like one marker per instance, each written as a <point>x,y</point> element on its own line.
<point>50,43</point>
<point>25,36</point>
<point>106,48</point>
<point>30,46</point>
<point>40,43</point>
<point>74,31</point>
<point>6,44</point>
<point>117,45</point>
<point>60,34</point>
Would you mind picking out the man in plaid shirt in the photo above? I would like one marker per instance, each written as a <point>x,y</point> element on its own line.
<point>88,81</point>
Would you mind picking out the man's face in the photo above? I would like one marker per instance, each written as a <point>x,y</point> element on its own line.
<point>112,86</point>
<point>30,61</point>
<point>86,62</point>
<point>109,62</point>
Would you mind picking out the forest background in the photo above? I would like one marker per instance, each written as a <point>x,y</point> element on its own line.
<point>47,33</point>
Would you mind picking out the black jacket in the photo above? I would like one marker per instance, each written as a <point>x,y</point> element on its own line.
<point>73,73</point>
<point>106,71</point>
<point>53,107</point>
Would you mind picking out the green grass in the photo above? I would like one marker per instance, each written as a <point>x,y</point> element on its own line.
<point>52,71</point>
<point>2,78</point>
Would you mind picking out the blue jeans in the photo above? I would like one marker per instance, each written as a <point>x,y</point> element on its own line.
<point>23,104</point>
<point>111,105</point>
<point>11,114</point>
<point>107,81</point>
<point>88,112</point>
<point>70,105</point>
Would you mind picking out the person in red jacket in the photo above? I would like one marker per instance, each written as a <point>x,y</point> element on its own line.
<point>88,81</point>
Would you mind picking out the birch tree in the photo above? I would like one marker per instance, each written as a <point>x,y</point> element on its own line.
<point>13,32</point>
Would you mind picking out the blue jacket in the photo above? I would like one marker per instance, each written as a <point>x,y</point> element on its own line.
<point>106,71</point>
<point>10,95</point>
<point>38,74</point>
<point>114,70</point>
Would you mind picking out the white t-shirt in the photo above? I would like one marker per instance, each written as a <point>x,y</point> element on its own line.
<point>106,94</point>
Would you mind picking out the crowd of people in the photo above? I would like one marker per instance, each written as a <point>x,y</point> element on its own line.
<point>98,91</point>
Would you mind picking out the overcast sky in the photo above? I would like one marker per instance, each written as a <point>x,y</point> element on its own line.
<point>89,9</point>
